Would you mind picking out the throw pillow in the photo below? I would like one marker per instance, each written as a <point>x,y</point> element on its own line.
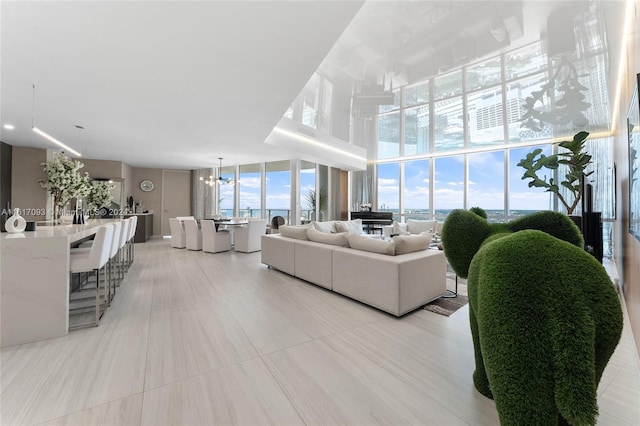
<point>418,226</point>
<point>299,232</point>
<point>399,228</point>
<point>351,226</point>
<point>410,243</point>
<point>339,239</point>
<point>326,227</point>
<point>360,242</point>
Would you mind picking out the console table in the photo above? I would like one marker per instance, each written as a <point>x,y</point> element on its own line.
<point>34,284</point>
<point>144,228</point>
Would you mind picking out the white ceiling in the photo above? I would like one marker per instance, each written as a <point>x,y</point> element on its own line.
<point>179,84</point>
<point>161,84</point>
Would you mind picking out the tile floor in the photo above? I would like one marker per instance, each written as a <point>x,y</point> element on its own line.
<point>196,339</point>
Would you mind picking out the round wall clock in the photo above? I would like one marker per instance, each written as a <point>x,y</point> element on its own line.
<point>146,185</point>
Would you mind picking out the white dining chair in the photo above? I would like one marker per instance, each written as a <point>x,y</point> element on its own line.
<point>194,235</point>
<point>178,235</point>
<point>214,241</point>
<point>94,260</point>
<point>248,237</point>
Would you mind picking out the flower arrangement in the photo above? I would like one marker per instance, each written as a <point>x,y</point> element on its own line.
<point>99,195</point>
<point>64,181</point>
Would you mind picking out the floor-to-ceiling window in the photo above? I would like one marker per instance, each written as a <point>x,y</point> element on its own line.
<point>469,127</point>
<point>449,185</point>
<point>309,197</point>
<point>249,190</point>
<point>278,189</point>
<point>226,192</point>
<point>416,189</point>
<point>486,183</point>
<point>389,188</point>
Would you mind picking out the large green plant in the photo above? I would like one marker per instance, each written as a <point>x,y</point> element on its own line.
<point>576,160</point>
<point>318,198</point>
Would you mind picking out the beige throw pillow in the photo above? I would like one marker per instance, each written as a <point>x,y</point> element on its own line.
<point>299,232</point>
<point>399,228</point>
<point>351,226</point>
<point>410,243</point>
<point>326,227</point>
<point>418,226</point>
<point>339,239</point>
<point>375,245</point>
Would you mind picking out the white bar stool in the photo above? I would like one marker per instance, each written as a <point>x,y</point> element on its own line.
<point>122,241</point>
<point>93,260</point>
<point>130,243</point>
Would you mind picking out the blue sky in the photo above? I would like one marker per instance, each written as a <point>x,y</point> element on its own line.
<point>486,183</point>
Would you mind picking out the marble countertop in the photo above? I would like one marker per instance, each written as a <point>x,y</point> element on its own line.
<point>72,232</point>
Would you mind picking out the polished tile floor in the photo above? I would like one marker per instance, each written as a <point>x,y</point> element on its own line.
<point>196,339</point>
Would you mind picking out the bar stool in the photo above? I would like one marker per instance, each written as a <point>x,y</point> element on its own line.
<point>93,260</point>
<point>113,251</point>
<point>130,243</point>
<point>122,241</point>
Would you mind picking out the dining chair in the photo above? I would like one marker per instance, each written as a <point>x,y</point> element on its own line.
<point>276,222</point>
<point>193,235</point>
<point>214,241</point>
<point>94,260</point>
<point>248,237</point>
<point>178,235</point>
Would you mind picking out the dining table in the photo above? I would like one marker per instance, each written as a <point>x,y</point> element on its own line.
<point>228,222</point>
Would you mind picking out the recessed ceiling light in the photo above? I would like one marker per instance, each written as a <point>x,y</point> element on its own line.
<point>9,126</point>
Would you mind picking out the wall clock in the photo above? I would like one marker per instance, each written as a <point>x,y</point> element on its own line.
<point>146,185</point>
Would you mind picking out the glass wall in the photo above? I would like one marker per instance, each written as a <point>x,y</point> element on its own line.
<point>249,189</point>
<point>416,188</point>
<point>389,189</point>
<point>449,185</point>
<point>522,199</point>
<point>482,113</point>
<point>308,194</point>
<point>486,183</point>
<point>278,190</point>
<point>226,193</point>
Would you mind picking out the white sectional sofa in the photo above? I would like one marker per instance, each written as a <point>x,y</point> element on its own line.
<point>395,284</point>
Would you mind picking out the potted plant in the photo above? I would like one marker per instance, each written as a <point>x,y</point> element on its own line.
<point>63,181</point>
<point>314,199</point>
<point>99,196</point>
<point>576,160</point>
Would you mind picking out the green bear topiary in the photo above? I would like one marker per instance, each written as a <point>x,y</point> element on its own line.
<point>479,211</point>
<point>544,316</point>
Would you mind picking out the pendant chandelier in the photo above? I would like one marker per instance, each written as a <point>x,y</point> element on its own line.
<point>219,180</point>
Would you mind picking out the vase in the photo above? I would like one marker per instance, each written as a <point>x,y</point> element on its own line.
<point>15,223</point>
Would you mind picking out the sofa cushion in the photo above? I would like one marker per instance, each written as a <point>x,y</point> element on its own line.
<point>299,232</point>
<point>328,227</point>
<point>418,226</point>
<point>410,243</point>
<point>399,228</point>
<point>339,239</point>
<point>350,226</point>
<point>375,245</point>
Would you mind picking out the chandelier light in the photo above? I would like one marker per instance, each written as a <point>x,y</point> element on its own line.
<point>219,180</point>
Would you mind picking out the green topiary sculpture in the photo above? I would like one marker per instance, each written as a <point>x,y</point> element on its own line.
<point>544,316</point>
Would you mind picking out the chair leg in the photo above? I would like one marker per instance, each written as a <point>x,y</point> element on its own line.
<point>97,296</point>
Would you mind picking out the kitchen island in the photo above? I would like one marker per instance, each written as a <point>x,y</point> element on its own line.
<point>34,281</point>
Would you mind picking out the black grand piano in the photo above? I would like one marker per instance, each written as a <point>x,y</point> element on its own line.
<point>373,222</point>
